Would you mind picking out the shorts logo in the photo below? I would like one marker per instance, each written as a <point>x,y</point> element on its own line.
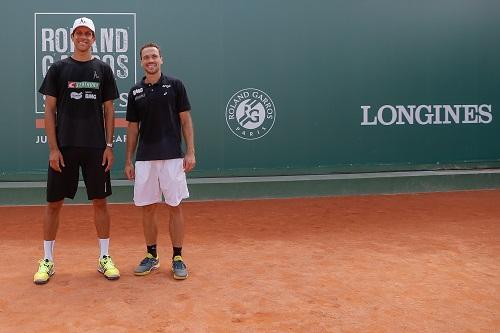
<point>250,114</point>
<point>76,95</point>
<point>83,84</point>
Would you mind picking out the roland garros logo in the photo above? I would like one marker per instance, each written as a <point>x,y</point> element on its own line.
<point>250,114</point>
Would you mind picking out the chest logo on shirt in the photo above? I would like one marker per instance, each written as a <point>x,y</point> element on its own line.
<point>90,95</point>
<point>76,95</point>
<point>137,91</point>
<point>138,97</point>
<point>83,84</point>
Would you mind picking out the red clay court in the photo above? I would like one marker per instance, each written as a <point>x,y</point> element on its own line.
<point>381,263</point>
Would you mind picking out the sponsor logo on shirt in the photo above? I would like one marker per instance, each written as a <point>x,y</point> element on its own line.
<point>89,95</point>
<point>138,97</point>
<point>83,84</point>
<point>137,91</point>
<point>166,86</point>
<point>76,95</point>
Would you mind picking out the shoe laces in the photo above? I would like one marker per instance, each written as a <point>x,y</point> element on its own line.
<point>44,266</point>
<point>147,260</point>
<point>179,264</point>
<point>107,262</point>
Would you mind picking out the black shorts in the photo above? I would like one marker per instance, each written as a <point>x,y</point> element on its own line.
<point>64,184</point>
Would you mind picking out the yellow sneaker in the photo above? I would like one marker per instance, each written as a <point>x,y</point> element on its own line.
<point>108,269</point>
<point>45,271</point>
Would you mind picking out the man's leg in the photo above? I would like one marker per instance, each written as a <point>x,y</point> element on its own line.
<point>51,220</point>
<point>150,229</point>
<point>102,226</point>
<point>50,227</point>
<point>60,185</point>
<point>149,224</point>
<point>174,187</point>
<point>146,195</point>
<point>101,218</point>
<point>176,228</point>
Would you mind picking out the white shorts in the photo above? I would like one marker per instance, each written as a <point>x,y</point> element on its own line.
<point>152,178</point>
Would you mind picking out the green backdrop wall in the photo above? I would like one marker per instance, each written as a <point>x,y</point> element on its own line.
<point>332,86</point>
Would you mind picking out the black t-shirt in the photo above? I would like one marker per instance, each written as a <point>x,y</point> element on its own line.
<point>156,108</point>
<point>80,88</point>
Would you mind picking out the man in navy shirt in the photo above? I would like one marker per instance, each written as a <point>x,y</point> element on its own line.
<point>159,115</point>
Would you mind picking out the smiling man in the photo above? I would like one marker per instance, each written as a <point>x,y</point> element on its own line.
<point>159,116</point>
<point>79,122</point>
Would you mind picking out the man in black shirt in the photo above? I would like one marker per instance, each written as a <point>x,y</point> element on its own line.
<point>159,113</point>
<point>80,135</point>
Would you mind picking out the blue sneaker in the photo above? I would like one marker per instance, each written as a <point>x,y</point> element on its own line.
<point>179,268</point>
<point>147,265</point>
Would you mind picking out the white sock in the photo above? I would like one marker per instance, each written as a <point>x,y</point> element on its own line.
<point>48,249</point>
<point>104,246</point>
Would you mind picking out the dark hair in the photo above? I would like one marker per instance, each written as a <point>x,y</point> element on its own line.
<point>151,44</point>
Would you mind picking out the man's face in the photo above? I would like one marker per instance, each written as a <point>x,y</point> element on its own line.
<point>83,38</point>
<point>151,60</point>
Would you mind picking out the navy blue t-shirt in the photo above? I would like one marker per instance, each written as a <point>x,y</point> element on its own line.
<point>156,108</point>
<point>80,88</point>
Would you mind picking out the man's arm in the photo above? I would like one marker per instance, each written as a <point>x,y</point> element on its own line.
<point>188,133</point>
<point>109,125</point>
<point>132,135</point>
<point>55,157</point>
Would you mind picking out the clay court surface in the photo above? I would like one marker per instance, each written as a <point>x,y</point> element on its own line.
<point>395,263</point>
